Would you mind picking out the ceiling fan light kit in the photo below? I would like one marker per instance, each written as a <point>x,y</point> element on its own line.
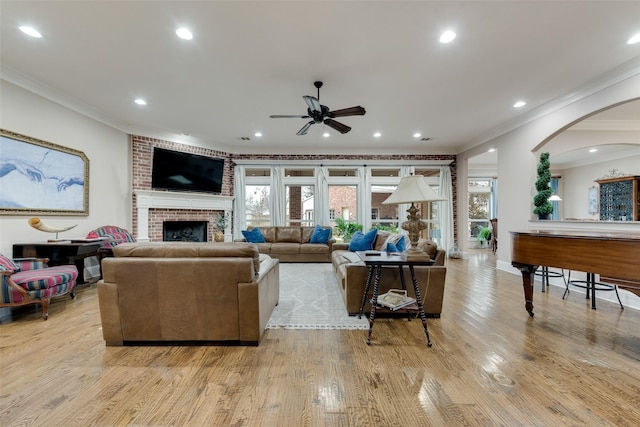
<point>319,113</point>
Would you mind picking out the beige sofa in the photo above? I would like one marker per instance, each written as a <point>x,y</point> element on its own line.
<point>183,292</point>
<point>293,244</point>
<point>351,274</point>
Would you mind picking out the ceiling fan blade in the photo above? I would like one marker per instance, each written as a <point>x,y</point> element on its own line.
<point>305,128</point>
<point>342,128</point>
<point>285,116</point>
<point>312,103</point>
<point>352,111</point>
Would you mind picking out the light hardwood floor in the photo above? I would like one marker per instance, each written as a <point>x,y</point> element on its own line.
<point>490,365</point>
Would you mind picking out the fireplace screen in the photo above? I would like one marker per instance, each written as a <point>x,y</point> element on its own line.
<point>184,231</point>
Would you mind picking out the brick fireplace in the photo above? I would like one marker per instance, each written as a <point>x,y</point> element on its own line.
<point>153,208</point>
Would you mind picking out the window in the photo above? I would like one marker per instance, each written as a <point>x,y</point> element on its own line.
<point>300,205</point>
<point>479,206</point>
<point>332,214</point>
<point>384,217</point>
<point>257,205</point>
<point>343,200</point>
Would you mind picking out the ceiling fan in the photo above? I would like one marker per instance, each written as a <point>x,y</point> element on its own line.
<point>321,114</point>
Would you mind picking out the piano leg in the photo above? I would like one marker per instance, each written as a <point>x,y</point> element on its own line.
<point>528,278</point>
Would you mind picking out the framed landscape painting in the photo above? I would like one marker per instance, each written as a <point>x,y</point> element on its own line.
<point>41,178</point>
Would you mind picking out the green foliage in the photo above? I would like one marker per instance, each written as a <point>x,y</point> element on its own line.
<point>541,200</point>
<point>484,234</point>
<point>346,228</point>
<point>222,220</point>
<point>391,228</point>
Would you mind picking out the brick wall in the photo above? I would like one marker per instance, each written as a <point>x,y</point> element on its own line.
<point>142,149</point>
<point>142,152</point>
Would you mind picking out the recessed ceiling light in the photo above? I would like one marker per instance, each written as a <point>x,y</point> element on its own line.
<point>326,134</point>
<point>593,150</point>
<point>257,134</point>
<point>491,150</point>
<point>519,104</point>
<point>140,101</point>
<point>184,33</point>
<point>377,135</point>
<point>635,39</point>
<point>417,135</point>
<point>447,37</point>
<point>30,31</point>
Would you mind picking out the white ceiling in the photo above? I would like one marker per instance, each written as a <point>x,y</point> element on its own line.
<point>249,60</point>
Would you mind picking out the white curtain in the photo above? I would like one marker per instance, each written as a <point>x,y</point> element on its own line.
<point>239,208</point>
<point>278,198</point>
<point>403,207</point>
<point>446,208</point>
<point>321,197</point>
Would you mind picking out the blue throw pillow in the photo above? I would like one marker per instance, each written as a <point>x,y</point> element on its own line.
<point>363,242</point>
<point>392,248</point>
<point>320,235</point>
<point>253,236</point>
<point>401,245</point>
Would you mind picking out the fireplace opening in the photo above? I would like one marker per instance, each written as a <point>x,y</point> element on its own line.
<point>184,231</point>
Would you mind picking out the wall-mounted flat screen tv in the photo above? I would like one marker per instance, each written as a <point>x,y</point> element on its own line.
<point>175,170</point>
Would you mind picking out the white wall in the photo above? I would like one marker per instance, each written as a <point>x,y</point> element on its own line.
<point>517,161</point>
<point>575,183</point>
<point>109,164</point>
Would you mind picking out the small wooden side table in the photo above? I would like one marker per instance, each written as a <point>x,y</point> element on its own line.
<point>375,261</point>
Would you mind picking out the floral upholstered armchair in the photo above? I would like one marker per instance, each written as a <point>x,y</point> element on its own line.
<point>31,281</point>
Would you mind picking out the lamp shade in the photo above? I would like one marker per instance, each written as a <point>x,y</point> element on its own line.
<point>413,188</point>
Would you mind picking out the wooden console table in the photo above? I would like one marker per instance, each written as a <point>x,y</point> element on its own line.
<point>59,253</point>
<point>375,261</point>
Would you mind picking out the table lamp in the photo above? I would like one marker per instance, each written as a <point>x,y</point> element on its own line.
<point>413,189</point>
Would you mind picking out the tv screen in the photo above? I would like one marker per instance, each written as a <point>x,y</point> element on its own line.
<point>174,170</point>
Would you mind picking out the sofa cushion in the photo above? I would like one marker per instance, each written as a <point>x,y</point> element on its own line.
<point>253,236</point>
<point>288,235</point>
<point>428,246</point>
<point>362,242</point>
<point>45,278</point>
<point>314,248</point>
<point>269,234</point>
<point>350,257</point>
<point>307,232</point>
<point>285,248</point>
<point>189,250</point>
<point>381,240</point>
<point>320,235</point>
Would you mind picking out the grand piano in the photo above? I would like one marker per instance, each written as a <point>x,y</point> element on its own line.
<point>616,257</point>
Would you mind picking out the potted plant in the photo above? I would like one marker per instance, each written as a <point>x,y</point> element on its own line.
<point>222,221</point>
<point>347,228</point>
<point>543,207</point>
<point>484,234</point>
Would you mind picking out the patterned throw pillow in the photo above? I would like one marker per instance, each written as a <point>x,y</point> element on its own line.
<point>253,236</point>
<point>320,235</point>
<point>6,264</point>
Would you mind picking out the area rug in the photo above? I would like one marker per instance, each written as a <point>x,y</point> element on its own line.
<point>310,299</point>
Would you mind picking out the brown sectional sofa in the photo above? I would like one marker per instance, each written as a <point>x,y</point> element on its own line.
<point>292,244</point>
<point>187,292</point>
<point>351,274</point>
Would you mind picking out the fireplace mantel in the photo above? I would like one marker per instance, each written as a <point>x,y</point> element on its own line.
<point>147,199</point>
